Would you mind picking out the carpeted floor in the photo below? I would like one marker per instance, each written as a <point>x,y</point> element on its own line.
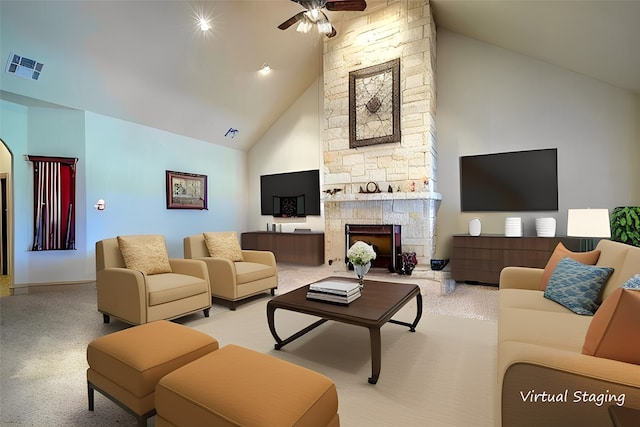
<point>441,375</point>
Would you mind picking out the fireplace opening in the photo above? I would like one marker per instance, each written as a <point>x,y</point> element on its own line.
<point>385,239</point>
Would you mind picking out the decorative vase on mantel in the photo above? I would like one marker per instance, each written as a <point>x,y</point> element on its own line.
<point>361,270</point>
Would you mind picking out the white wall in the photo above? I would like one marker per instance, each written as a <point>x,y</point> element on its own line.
<point>57,132</point>
<point>13,127</point>
<point>48,132</point>
<point>123,163</point>
<point>292,144</point>
<point>126,166</point>
<point>493,100</point>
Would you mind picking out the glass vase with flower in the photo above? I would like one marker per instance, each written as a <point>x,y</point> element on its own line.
<point>360,255</point>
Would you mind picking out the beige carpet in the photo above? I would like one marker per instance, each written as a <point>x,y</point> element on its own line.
<point>441,375</point>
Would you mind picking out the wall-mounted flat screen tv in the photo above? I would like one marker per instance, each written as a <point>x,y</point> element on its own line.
<point>513,181</point>
<point>290,194</point>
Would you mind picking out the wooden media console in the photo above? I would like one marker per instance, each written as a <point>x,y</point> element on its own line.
<point>306,248</point>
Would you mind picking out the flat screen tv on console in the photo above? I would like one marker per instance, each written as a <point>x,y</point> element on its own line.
<point>290,194</point>
<point>513,181</point>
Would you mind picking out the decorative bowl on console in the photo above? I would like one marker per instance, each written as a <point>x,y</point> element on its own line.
<point>439,264</point>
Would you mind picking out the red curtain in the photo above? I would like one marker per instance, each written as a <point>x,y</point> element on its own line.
<point>54,196</point>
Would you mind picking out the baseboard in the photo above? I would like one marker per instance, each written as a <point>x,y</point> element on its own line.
<point>27,288</point>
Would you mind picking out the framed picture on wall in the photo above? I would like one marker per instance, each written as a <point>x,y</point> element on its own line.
<point>374,104</point>
<point>186,190</point>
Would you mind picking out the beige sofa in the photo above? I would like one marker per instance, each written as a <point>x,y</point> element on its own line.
<point>235,280</point>
<point>543,377</point>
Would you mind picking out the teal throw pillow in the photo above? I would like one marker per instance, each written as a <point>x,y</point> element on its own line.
<point>577,286</point>
<point>632,283</point>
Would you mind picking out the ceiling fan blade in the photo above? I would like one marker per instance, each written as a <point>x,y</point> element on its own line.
<point>346,5</point>
<point>309,4</point>
<point>289,22</point>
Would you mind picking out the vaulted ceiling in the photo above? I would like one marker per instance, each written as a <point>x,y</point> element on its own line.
<point>597,38</point>
<point>147,62</point>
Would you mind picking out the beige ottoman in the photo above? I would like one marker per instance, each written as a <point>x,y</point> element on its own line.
<point>125,366</point>
<point>235,386</point>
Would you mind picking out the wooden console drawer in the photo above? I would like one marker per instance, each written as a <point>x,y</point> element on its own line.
<point>482,258</point>
<point>296,248</point>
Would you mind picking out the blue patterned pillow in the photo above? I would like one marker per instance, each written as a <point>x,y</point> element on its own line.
<point>632,283</point>
<point>577,286</point>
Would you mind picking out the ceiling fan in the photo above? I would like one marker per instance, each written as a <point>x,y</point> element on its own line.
<point>314,15</point>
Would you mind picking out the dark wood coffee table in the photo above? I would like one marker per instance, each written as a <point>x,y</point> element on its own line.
<point>377,305</point>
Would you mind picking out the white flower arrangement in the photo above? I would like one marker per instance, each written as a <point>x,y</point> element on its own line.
<point>361,253</point>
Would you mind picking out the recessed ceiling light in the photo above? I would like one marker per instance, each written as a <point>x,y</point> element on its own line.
<point>265,69</point>
<point>204,25</point>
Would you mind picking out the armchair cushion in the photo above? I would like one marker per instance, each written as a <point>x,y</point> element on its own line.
<point>223,244</point>
<point>247,272</point>
<point>165,288</point>
<point>147,254</point>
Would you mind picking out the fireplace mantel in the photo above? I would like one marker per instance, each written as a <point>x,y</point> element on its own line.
<point>382,196</point>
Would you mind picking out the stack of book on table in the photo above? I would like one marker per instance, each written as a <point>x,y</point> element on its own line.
<point>334,291</point>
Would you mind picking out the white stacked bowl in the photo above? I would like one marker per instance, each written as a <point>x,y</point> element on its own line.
<point>546,227</point>
<point>513,227</point>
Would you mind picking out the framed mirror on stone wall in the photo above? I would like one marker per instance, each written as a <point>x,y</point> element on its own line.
<point>374,104</point>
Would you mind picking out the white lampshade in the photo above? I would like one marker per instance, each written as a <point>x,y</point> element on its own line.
<point>588,223</point>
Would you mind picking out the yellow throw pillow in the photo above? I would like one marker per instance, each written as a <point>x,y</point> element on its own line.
<point>588,258</point>
<point>147,254</point>
<point>223,244</point>
<point>613,332</point>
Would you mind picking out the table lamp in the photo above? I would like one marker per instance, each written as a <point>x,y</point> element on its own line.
<point>589,223</point>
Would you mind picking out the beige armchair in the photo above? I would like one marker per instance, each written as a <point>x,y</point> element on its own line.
<point>234,274</point>
<point>138,283</point>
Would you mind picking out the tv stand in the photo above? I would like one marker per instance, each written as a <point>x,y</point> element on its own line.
<point>305,248</point>
<point>480,259</point>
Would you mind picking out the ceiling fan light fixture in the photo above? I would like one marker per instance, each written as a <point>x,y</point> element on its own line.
<point>304,26</point>
<point>324,27</point>
<point>313,14</point>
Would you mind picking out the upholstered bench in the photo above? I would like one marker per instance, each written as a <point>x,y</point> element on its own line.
<point>235,386</point>
<point>125,366</point>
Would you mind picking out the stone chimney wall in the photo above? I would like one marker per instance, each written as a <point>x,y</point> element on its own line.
<point>400,29</point>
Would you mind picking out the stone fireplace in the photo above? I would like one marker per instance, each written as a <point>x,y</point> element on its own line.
<point>390,183</point>
<point>414,212</point>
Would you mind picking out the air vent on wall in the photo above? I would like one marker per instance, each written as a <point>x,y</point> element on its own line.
<point>24,67</point>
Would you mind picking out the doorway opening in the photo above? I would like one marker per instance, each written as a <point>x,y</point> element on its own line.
<point>6,221</point>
